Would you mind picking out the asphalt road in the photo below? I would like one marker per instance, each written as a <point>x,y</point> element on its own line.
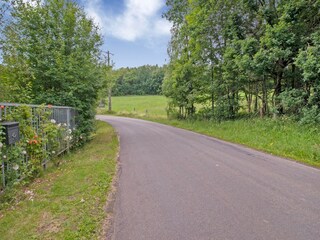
<point>175,184</point>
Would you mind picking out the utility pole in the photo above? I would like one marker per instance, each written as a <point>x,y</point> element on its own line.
<point>110,87</point>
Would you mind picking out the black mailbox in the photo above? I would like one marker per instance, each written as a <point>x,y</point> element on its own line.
<point>11,131</point>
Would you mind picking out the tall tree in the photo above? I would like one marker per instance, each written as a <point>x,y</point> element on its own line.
<point>53,49</point>
<point>227,49</point>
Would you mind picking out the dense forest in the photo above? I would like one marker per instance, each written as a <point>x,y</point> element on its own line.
<point>144,80</point>
<point>230,57</point>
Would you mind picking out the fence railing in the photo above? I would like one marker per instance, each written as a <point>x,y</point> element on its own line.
<point>60,115</point>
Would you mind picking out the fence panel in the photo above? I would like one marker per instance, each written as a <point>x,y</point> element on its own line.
<point>60,115</point>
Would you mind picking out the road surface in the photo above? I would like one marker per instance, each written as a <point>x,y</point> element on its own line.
<point>175,184</point>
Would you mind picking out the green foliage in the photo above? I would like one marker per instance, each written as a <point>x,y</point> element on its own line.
<point>37,144</point>
<point>51,56</point>
<point>144,80</point>
<point>281,137</point>
<point>293,101</point>
<point>254,56</point>
<point>69,202</point>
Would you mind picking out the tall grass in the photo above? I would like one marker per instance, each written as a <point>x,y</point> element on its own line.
<point>280,137</point>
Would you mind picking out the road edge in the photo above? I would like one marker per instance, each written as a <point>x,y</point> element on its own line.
<point>107,231</point>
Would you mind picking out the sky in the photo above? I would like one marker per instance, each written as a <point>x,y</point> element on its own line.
<point>133,30</point>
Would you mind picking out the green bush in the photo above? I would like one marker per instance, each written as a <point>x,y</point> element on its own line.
<point>38,144</point>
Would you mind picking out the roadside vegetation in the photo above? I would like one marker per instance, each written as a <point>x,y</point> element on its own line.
<point>247,72</point>
<point>50,53</point>
<point>282,136</point>
<point>258,57</point>
<point>68,201</point>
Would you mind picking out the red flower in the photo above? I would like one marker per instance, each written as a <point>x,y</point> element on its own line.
<point>2,107</point>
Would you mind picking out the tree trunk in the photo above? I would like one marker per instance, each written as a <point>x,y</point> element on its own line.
<point>264,98</point>
<point>277,91</point>
<point>212,93</point>
<point>256,99</point>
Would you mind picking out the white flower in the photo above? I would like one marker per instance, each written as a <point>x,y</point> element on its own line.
<point>53,152</point>
<point>59,125</point>
<point>15,167</point>
<point>64,124</point>
<point>1,145</point>
<point>4,156</point>
<point>24,152</point>
<point>69,131</point>
<point>53,121</point>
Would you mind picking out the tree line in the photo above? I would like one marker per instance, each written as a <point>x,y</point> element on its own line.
<point>143,80</point>
<point>51,54</point>
<point>235,56</point>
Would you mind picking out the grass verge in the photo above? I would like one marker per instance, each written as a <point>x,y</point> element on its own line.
<point>67,203</point>
<point>280,137</point>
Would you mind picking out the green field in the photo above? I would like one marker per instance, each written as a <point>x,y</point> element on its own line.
<point>280,137</point>
<point>141,106</point>
<point>69,202</point>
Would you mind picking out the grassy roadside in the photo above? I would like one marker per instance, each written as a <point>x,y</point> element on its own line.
<point>279,137</point>
<point>282,138</point>
<point>67,203</point>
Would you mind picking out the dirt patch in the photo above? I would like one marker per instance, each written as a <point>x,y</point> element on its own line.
<point>48,224</point>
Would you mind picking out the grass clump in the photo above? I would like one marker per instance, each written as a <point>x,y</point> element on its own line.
<point>67,203</point>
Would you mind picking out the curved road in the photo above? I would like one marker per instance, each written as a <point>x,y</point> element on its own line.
<point>175,184</point>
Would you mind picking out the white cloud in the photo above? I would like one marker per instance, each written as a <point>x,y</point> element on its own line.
<point>140,19</point>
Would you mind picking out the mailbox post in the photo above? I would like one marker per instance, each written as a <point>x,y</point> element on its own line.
<point>12,135</point>
<point>11,131</point>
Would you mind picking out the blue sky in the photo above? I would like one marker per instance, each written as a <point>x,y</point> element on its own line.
<point>133,30</point>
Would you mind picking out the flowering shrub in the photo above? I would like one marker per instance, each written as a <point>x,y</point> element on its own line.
<point>41,139</point>
<point>1,154</point>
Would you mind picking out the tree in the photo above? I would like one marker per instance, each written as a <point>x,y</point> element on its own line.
<point>143,80</point>
<point>229,50</point>
<point>53,48</point>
